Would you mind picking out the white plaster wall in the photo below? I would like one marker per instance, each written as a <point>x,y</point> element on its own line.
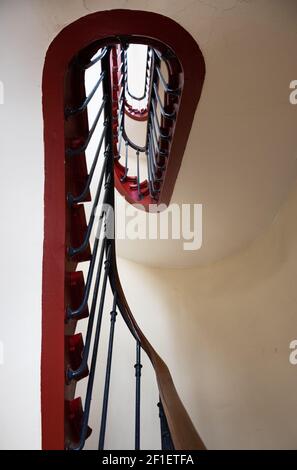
<point>21,169</point>
<point>224,331</point>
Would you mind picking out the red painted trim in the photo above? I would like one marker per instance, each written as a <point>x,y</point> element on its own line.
<point>71,40</point>
<point>52,352</point>
<point>136,114</point>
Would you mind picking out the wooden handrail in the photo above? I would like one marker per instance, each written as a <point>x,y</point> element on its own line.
<point>183,432</point>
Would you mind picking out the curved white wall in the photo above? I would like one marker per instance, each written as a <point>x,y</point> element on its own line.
<point>224,331</point>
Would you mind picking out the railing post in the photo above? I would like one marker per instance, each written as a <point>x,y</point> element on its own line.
<point>138,175</point>
<point>166,441</point>
<point>113,315</point>
<point>138,367</point>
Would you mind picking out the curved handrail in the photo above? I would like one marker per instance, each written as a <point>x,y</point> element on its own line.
<point>183,432</point>
<point>139,98</point>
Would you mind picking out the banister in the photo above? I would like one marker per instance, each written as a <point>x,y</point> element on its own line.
<point>182,430</point>
<point>143,96</point>
<point>72,111</point>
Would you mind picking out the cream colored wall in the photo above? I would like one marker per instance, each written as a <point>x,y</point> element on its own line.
<point>224,331</point>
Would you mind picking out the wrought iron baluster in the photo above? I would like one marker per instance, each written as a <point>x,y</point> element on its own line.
<point>149,174</point>
<point>76,374</point>
<point>167,89</point>
<point>154,151</point>
<point>164,113</point>
<point>166,441</point>
<point>96,59</point>
<point>132,144</point>
<point>138,368</point>
<point>76,199</point>
<point>76,312</point>
<point>113,315</point>
<point>73,111</point>
<point>126,162</point>
<point>155,122</point>
<point>90,385</point>
<point>120,141</point>
<point>72,251</point>
<point>77,151</point>
<point>157,148</point>
<point>154,166</point>
<point>147,68</point>
<point>138,176</point>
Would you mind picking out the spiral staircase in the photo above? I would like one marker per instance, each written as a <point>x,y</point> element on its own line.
<point>164,110</point>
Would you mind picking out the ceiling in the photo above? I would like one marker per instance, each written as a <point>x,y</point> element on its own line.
<point>241,157</point>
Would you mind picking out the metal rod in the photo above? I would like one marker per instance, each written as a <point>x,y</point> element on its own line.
<point>72,251</point>
<point>76,312</point>
<point>138,367</point>
<point>122,124</point>
<point>149,175</point>
<point>77,151</point>
<point>155,149</point>
<point>171,91</point>
<point>96,59</point>
<point>82,107</point>
<point>88,399</point>
<point>154,166</point>
<point>75,199</point>
<point>126,162</point>
<point>75,374</point>
<point>166,440</point>
<point>132,144</point>
<point>138,176</point>
<point>155,122</point>
<point>113,315</point>
<point>152,172</point>
<point>147,68</point>
<point>164,113</point>
<point>120,141</point>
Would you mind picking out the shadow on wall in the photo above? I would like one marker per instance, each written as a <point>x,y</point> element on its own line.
<point>224,331</point>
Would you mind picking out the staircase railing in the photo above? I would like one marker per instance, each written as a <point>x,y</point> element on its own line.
<point>177,430</point>
<point>159,115</point>
<point>137,106</point>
